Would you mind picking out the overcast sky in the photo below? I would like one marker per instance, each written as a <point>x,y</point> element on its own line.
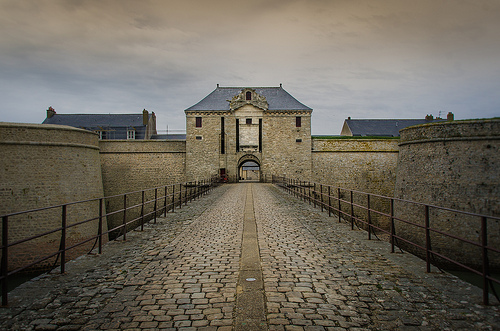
<point>358,58</point>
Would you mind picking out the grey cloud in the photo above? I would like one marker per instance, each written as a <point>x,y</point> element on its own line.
<point>342,58</point>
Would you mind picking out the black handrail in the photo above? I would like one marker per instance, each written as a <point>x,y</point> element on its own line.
<point>181,193</point>
<point>315,193</point>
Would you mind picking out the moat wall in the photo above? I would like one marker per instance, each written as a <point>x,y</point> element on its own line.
<point>453,165</point>
<point>134,165</point>
<point>42,166</point>
<point>367,165</point>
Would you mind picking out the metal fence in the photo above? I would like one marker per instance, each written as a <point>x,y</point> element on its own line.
<point>136,209</point>
<point>378,215</point>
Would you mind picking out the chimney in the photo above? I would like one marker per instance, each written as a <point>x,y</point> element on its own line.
<point>450,116</point>
<point>50,112</point>
<point>153,115</point>
<point>145,117</point>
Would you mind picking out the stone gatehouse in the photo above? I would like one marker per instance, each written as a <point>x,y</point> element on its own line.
<point>262,127</point>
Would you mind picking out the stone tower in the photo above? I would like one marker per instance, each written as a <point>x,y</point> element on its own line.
<point>235,131</point>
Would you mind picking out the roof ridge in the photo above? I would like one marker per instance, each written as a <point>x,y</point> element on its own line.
<point>242,87</point>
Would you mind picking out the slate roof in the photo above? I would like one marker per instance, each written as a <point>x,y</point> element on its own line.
<point>95,120</point>
<point>277,98</point>
<point>382,127</point>
<point>116,125</point>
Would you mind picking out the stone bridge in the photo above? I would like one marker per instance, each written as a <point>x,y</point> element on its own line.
<point>248,257</point>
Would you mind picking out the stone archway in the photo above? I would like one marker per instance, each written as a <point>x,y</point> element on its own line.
<point>249,168</point>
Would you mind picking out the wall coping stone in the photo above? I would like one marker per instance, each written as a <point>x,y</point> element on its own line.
<point>486,129</point>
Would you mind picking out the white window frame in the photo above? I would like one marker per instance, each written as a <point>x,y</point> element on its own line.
<point>130,134</point>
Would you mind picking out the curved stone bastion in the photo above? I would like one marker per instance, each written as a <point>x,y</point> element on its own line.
<point>454,165</point>
<point>42,166</point>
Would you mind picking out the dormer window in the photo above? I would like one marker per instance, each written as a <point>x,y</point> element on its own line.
<point>130,134</point>
<point>249,95</point>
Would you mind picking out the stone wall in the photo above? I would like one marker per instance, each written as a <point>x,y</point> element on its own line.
<point>203,145</point>
<point>133,165</point>
<point>453,165</point>
<point>367,165</point>
<point>287,148</point>
<point>42,166</point>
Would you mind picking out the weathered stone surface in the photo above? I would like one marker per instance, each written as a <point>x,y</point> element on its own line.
<point>304,253</point>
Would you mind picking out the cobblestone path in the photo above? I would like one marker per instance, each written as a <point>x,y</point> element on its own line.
<point>182,274</point>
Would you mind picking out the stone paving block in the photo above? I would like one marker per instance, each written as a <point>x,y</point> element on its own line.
<point>181,273</point>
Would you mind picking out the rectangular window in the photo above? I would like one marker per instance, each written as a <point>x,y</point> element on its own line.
<point>298,121</point>
<point>249,121</point>
<point>199,137</point>
<point>130,134</point>
<point>198,122</point>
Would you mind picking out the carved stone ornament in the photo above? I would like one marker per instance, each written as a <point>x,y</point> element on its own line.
<point>257,100</point>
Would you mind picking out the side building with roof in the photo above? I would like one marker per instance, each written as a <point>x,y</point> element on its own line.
<point>384,127</point>
<point>109,126</point>
<point>264,128</point>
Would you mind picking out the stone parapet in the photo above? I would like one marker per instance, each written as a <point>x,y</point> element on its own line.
<point>42,166</point>
<point>453,165</point>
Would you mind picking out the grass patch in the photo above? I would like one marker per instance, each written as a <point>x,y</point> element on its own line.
<point>352,137</point>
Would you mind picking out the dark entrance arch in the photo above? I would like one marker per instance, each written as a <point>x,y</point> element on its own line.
<point>249,168</point>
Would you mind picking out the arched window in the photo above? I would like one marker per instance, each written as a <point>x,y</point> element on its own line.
<point>249,95</point>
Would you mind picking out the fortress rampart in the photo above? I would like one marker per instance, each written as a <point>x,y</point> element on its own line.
<point>367,165</point>
<point>42,166</point>
<point>362,164</point>
<point>136,165</point>
<point>454,165</point>
<point>450,164</point>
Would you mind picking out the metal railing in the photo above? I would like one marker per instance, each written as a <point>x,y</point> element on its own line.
<point>368,211</point>
<point>136,209</point>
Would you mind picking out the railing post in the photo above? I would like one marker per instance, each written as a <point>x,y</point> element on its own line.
<point>321,196</point>
<point>309,196</point>
<point>156,204</point>
<point>124,217</point>
<point>393,230</point>
<point>165,202</point>
<point>484,244</point>
<point>173,198</point>
<point>180,196</point>
<point>314,195</point>
<point>329,202</point>
<point>427,240</point>
<point>5,260</point>
<point>340,205</point>
<point>99,230</point>
<point>352,210</point>
<point>142,212</point>
<point>369,217</point>
<point>63,239</point>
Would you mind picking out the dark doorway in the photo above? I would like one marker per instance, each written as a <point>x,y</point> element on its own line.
<point>249,171</point>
